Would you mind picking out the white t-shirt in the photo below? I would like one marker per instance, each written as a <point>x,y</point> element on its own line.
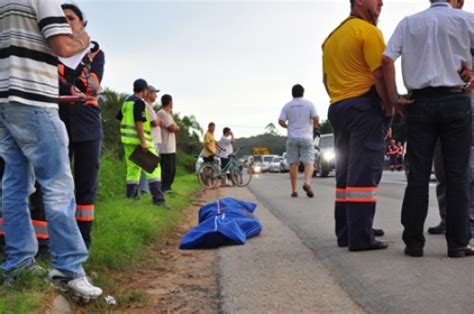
<point>226,144</point>
<point>299,114</point>
<point>168,139</point>
<point>155,131</point>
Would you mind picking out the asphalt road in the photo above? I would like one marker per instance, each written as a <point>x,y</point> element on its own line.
<point>384,281</point>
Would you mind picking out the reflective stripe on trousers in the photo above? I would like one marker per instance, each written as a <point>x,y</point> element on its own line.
<point>40,227</point>
<point>356,194</point>
<point>85,212</point>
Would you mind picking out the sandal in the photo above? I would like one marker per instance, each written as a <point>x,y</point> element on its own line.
<point>309,191</point>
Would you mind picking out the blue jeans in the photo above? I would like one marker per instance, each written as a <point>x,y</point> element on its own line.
<point>34,143</point>
<point>447,117</point>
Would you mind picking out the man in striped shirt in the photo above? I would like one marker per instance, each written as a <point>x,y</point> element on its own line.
<point>33,140</point>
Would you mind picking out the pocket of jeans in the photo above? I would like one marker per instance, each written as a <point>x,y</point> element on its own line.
<point>375,155</point>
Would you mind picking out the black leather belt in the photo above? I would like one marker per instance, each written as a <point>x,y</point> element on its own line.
<point>440,90</point>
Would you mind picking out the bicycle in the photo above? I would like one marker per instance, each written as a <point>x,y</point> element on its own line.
<point>210,173</point>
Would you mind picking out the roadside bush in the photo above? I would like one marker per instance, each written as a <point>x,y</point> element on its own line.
<point>186,162</point>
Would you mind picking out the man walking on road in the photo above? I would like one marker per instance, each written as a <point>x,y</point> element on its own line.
<point>34,143</point>
<point>352,75</point>
<point>300,117</point>
<point>441,110</point>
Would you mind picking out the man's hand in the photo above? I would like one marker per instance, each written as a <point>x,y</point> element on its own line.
<point>401,103</point>
<point>144,147</point>
<point>467,75</point>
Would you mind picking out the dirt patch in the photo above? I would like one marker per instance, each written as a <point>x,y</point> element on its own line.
<point>170,280</point>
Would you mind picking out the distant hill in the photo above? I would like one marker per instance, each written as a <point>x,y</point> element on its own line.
<point>275,143</point>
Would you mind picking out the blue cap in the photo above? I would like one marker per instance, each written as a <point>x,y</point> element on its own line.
<point>140,84</point>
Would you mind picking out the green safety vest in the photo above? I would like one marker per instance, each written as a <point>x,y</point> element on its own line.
<point>128,132</point>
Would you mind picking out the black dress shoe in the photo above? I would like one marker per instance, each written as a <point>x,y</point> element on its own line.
<point>341,244</point>
<point>378,245</point>
<point>378,232</point>
<point>461,252</point>
<point>439,229</point>
<point>414,251</point>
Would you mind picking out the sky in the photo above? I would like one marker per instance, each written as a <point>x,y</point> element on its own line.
<point>230,62</point>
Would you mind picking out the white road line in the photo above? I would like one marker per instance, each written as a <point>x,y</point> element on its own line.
<point>402,183</point>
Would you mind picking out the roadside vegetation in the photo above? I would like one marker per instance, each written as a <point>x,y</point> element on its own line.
<point>123,229</point>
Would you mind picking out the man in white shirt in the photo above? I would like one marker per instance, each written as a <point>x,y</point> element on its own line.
<point>438,159</point>
<point>150,99</point>
<point>300,117</point>
<point>225,143</point>
<point>168,143</point>
<point>440,109</point>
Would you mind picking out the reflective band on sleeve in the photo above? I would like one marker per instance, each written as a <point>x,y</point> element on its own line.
<point>361,194</point>
<point>85,212</point>
<point>41,229</point>
<point>340,195</point>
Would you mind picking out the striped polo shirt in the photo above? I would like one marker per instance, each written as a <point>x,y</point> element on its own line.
<point>28,66</point>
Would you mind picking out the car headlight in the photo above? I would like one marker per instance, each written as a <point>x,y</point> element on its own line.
<point>329,155</point>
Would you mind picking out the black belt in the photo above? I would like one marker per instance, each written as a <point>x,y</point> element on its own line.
<point>440,90</point>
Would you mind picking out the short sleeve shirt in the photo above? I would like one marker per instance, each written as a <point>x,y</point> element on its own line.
<point>226,144</point>
<point>433,44</point>
<point>209,141</point>
<point>168,139</point>
<point>155,130</point>
<point>350,56</point>
<point>29,73</point>
<point>299,114</point>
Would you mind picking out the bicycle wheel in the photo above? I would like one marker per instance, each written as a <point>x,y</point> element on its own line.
<point>208,176</point>
<point>241,174</point>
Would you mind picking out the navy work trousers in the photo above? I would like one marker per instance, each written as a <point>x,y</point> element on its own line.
<point>358,126</point>
<point>445,116</point>
<point>85,160</point>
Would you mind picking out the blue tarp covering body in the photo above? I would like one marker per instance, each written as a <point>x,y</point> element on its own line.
<point>223,222</point>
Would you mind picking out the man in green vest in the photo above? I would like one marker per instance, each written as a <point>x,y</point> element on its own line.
<point>135,130</point>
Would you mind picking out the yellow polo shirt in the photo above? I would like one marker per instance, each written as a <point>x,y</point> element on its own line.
<point>350,56</point>
<point>209,140</point>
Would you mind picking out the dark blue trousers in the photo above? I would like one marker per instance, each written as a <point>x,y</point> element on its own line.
<point>437,114</point>
<point>358,125</point>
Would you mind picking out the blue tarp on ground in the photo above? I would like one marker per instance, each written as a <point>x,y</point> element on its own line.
<point>223,222</point>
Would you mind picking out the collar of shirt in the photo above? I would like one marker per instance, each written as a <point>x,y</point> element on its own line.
<point>440,3</point>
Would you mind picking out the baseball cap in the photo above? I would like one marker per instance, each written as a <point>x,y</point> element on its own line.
<point>140,84</point>
<point>152,89</point>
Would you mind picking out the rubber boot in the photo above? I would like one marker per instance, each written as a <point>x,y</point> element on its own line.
<point>132,190</point>
<point>155,190</point>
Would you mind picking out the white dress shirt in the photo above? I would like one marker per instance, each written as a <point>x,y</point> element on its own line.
<point>433,44</point>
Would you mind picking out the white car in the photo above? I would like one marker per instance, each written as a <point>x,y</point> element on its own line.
<point>284,166</point>
<point>275,165</point>
<point>266,162</point>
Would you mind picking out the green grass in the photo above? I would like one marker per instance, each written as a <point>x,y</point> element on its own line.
<point>123,229</point>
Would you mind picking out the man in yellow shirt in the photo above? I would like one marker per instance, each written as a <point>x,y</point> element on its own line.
<point>210,144</point>
<point>352,75</point>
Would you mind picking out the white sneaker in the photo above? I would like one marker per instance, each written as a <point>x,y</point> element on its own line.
<point>83,287</point>
<point>79,286</point>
